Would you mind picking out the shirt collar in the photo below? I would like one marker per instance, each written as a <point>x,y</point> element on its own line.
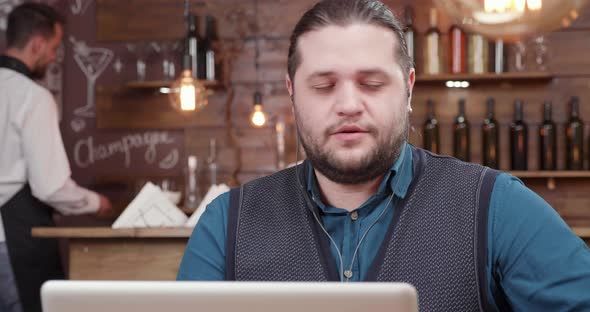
<point>399,177</point>
<point>15,64</point>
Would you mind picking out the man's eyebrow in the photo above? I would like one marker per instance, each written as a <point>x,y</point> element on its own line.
<point>373,71</point>
<point>320,74</point>
<point>363,72</point>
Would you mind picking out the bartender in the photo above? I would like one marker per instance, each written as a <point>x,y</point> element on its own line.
<point>34,169</point>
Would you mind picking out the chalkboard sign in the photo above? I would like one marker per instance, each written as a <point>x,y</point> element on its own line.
<point>83,65</point>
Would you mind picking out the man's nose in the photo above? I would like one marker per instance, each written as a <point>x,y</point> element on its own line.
<point>349,100</point>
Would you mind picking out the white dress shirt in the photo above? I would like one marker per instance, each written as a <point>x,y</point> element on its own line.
<point>32,150</point>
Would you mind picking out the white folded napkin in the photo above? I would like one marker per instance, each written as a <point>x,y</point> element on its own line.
<point>150,208</point>
<point>214,191</point>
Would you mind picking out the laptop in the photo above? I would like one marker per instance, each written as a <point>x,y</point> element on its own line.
<point>119,296</point>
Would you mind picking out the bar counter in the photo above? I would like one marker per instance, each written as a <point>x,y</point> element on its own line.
<point>103,253</point>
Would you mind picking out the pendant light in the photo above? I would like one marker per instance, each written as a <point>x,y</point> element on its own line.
<point>257,115</point>
<point>511,20</point>
<point>187,94</point>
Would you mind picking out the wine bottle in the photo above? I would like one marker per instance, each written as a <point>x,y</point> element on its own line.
<point>574,137</point>
<point>519,139</point>
<point>478,54</point>
<point>431,137</point>
<point>458,50</point>
<point>499,63</point>
<point>212,162</point>
<point>211,67</point>
<point>547,140</point>
<point>193,45</point>
<point>461,134</point>
<point>192,195</point>
<point>490,137</point>
<point>433,49</point>
<point>410,34</point>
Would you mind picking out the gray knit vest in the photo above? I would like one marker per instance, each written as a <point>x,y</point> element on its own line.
<point>437,240</point>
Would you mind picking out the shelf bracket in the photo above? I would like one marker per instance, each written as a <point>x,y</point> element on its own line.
<point>551,184</point>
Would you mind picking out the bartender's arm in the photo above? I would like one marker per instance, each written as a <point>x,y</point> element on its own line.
<point>48,169</point>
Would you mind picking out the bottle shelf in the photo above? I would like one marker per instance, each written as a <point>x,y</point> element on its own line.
<point>551,175</point>
<point>154,84</point>
<point>583,232</point>
<point>522,77</point>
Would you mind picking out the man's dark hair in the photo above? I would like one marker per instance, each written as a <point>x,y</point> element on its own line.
<point>30,19</point>
<point>344,13</point>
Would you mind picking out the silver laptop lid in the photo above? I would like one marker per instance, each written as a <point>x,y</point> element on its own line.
<point>115,296</point>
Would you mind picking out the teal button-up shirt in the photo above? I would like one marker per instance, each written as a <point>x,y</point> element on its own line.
<point>533,256</point>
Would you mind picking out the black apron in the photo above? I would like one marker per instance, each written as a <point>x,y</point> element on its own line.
<point>34,260</point>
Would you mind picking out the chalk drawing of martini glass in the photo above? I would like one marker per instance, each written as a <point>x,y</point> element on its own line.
<point>92,62</point>
<point>5,7</point>
<point>80,6</point>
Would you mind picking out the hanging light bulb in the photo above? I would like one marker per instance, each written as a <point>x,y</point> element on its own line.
<point>519,5</point>
<point>188,94</point>
<point>510,20</point>
<point>258,117</point>
<point>534,5</point>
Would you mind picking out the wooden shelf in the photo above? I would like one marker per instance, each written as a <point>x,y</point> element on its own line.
<point>107,232</point>
<point>153,84</point>
<point>159,232</point>
<point>583,232</point>
<point>551,174</point>
<point>523,77</point>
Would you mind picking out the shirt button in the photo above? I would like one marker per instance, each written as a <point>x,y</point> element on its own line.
<point>354,215</point>
<point>348,273</point>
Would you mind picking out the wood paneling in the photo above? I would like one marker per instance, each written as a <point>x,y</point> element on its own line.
<point>136,20</point>
<point>583,21</point>
<point>277,18</point>
<point>126,108</point>
<point>107,232</point>
<point>567,56</point>
<point>267,24</point>
<point>559,91</point>
<point>148,254</point>
<point>125,258</point>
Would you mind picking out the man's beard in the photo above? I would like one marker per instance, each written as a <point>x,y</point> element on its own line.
<point>38,72</point>
<point>372,165</point>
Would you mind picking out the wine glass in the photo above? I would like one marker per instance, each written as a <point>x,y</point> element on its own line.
<point>168,49</point>
<point>540,48</point>
<point>519,56</point>
<point>141,50</point>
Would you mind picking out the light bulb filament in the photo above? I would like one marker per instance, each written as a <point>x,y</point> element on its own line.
<point>258,118</point>
<point>187,94</point>
<point>187,97</point>
<point>501,6</point>
<point>535,5</point>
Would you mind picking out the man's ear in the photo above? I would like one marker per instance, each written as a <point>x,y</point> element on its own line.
<point>410,88</point>
<point>289,85</point>
<point>36,45</point>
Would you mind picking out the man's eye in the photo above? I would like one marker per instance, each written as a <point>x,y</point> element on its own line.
<point>374,85</point>
<point>324,86</point>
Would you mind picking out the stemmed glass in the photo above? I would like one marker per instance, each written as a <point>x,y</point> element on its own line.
<point>141,50</point>
<point>168,50</point>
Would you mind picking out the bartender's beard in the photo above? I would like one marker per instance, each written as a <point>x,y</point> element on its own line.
<point>38,72</point>
<point>375,162</point>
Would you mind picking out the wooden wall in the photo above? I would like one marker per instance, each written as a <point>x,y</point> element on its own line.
<point>244,24</point>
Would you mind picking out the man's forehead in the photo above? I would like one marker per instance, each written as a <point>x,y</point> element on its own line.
<point>362,48</point>
<point>333,33</point>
